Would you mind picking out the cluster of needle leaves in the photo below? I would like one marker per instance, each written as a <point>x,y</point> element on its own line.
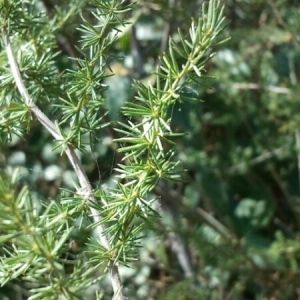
<point>147,141</point>
<point>34,237</point>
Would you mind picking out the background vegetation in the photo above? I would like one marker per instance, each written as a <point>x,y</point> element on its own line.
<point>230,229</point>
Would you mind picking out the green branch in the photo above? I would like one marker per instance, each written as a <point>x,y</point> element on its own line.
<point>86,189</point>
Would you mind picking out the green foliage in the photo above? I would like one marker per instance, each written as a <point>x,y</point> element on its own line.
<point>33,241</point>
<point>35,237</point>
<point>194,182</point>
<point>185,291</point>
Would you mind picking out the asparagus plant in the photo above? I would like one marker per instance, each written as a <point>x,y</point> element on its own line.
<point>33,238</point>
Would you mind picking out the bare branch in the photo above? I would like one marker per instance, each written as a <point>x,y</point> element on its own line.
<point>256,86</point>
<point>214,223</point>
<point>261,158</point>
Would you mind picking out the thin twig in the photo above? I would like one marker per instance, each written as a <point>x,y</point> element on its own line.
<point>276,13</point>
<point>256,86</point>
<point>214,223</point>
<point>64,41</point>
<point>173,199</point>
<point>261,158</point>
<point>73,158</point>
<point>171,203</point>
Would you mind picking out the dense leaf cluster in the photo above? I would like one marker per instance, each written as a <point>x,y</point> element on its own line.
<point>69,104</point>
<point>127,98</point>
